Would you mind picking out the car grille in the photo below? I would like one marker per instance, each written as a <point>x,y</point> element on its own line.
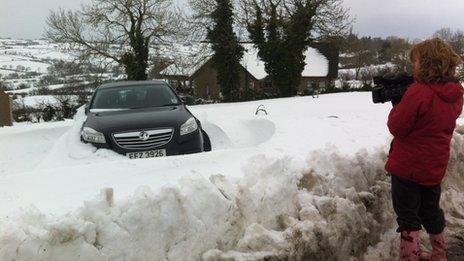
<point>143,139</point>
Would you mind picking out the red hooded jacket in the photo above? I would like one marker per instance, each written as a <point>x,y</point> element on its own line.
<point>422,125</point>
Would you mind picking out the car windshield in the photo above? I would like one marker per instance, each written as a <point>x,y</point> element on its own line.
<point>134,97</point>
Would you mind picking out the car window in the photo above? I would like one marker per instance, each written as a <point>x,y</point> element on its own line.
<point>134,97</point>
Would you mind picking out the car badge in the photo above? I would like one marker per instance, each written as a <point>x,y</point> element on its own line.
<point>144,136</point>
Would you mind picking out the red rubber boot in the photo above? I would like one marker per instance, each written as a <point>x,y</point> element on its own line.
<point>409,246</point>
<point>438,247</point>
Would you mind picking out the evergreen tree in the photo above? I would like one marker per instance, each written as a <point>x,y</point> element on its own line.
<point>227,50</point>
<point>283,31</point>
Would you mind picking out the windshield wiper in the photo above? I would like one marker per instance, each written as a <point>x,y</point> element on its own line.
<point>166,105</point>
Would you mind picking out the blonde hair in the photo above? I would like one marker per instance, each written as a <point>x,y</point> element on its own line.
<point>437,60</point>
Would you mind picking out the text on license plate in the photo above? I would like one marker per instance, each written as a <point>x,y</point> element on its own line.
<point>146,154</point>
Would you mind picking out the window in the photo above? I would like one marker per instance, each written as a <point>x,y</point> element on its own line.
<point>252,84</point>
<point>132,97</point>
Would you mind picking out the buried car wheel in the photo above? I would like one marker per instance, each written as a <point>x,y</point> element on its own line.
<point>206,141</point>
<point>142,120</point>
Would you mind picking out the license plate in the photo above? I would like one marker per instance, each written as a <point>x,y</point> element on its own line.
<point>146,154</point>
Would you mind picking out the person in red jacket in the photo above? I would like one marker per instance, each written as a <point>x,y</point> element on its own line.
<point>422,124</point>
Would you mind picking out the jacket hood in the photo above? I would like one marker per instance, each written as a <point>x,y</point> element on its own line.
<point>449,92</point>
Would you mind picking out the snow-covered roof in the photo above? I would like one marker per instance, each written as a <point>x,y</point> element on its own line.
<point>251,62</point>
<point>317,65</point>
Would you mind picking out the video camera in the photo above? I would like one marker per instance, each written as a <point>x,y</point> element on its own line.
<point>390,88</point>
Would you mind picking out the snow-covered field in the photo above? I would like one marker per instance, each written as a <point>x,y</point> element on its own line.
<point>23,63</point>
<point>304,182</point>
<point>31,56</point>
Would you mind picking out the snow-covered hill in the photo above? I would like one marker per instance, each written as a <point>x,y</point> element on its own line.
<point>304,181</point>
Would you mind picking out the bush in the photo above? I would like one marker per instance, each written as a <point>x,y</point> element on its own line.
<point>367,87</point>
<point>23,86</point>
<point>66,107</point>
<point>23,113</point>
<point>40,90</point>
<point>252,95</point>
<point>49,112</point>
<point>200,101</point>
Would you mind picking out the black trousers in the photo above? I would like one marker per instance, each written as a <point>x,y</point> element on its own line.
<point>416,206</point>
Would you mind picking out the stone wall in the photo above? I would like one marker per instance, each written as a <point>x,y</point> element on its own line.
<point>6,116</point>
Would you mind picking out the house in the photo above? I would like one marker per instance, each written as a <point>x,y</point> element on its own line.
<point>6,116</point>
<point>201,81</point>
<point>321,68</point>
<point>199,78</point>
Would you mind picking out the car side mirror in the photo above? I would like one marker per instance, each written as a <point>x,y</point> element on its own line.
<point>87,109</point>
<point>183,100</point>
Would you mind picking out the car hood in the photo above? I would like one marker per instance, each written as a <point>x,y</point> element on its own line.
<point>137,119</point>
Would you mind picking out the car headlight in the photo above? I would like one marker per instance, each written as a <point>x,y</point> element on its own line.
<point>189,126</point>
<point>93,136</point>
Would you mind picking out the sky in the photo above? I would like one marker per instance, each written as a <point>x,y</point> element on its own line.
<point>412,19</point>
<point>406,18</point>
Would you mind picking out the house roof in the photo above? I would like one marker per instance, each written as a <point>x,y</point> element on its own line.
<point>183,69</point>
<point>317,64</point>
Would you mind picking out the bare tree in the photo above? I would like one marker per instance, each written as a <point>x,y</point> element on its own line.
<point>399,51</point>
<point>446,34</point>
<point>120,31</point>
<point>200,18</point>
<point>454,38</point>
<point>330,18</point>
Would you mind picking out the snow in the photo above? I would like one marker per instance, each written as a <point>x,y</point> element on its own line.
<point>26,61</point>
<point>317,64</point>
<point>304,181</point>
<point>253,63</point>
<point>13,61</point>
<point>352,84</point>
<point>37,100</point>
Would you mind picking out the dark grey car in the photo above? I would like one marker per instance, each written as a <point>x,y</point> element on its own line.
<point>142,119</point>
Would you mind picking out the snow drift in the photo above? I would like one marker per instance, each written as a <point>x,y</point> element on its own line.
<point>281,209</point>
<point>250,199</point>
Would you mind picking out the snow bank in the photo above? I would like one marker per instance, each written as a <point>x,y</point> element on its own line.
<point>327,206</point>
<point>282,207</point>
<point>23,150</point>
<point>69,150</point>
<point>258,195</point>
